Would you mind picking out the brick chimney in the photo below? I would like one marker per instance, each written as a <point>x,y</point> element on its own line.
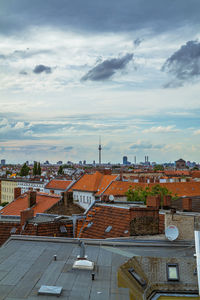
<point>17,192</point>
<point>187,204</point>
<point>32,195</point>
<point>25,215</point>
<point>51,191</point>
<point>167,201</point>
<point>153,201</point>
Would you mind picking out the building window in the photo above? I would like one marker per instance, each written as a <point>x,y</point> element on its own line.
<point>81,198</point>
<point>172,272</point>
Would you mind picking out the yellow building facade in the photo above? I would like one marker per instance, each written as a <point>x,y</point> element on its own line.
<point>7,190</point>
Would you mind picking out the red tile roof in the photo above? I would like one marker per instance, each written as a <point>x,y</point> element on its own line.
<point>119,188</point>
<point>177,172</point>
<point>55,184</point>
<point>43,203</point>
<point>96,182</point>
<point>104,216</point>
<point>109,221</point>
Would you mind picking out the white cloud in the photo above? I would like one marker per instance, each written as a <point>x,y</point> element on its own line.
<point>161,129</point>
<point>196,132</point>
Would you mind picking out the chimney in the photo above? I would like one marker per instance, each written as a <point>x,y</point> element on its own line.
<point>25,215</point>
<point>32,195</point>
<point>17,192</point>
<point>187,204</point>
<point>153,201</point>
<point>51,191</point>
<point>167,201</point>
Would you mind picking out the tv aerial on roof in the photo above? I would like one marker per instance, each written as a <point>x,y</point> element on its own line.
<point>171,233</point>
<point>111,198</point>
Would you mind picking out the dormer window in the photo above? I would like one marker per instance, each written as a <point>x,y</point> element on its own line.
<point>172,272</point>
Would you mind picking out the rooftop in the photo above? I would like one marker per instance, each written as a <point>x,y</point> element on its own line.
<point>27,263</point>
<point>58,184</point>
<point>43,203</point>
<point>96,182</point>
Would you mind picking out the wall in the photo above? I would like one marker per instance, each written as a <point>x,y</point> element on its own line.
<point>7,190</point>
<point>184,223</point>
<point>144,221</point>
<point>84,199</point>
<point>25,186</point>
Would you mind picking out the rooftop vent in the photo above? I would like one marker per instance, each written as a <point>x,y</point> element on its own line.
<point>82,262</point>
<point>50,290</point>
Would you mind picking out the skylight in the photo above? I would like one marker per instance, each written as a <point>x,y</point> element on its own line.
<point>13,230</point>
<point>172,272</point>
<point>63,229</point>
<point>108,229</point>
<point>137,277</point>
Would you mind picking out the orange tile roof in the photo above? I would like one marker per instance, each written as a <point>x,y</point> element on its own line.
<point>177,172</point>
<point>119,188</point>
<point>195,174</point>
<point>96,182</point>
<point>58,184</point>
<point>43,203</point>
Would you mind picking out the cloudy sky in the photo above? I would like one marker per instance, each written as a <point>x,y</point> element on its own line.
<point>71,71</point>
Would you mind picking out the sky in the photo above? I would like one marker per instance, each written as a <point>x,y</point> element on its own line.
<point>71,71</point>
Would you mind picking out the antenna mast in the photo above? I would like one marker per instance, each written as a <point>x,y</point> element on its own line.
<point>100,148</point>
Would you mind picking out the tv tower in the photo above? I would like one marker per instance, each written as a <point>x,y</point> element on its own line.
<point>100,148</point>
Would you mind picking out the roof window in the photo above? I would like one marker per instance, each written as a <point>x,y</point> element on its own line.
<point>89,224</point>
<point>63,229</point>
<point>108,229</point>
<point>172,272</point>
<point>13,230</point>
<point>137,277</point>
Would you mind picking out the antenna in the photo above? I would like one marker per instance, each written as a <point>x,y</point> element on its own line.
<point>100,148</point>
<point>171,233</point>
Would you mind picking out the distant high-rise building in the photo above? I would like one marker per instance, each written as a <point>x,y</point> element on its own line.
<point>59,162</point>
<point>100,148</point>
<point>125,160</point>
<point>84,162</point>
<point>3,162</point>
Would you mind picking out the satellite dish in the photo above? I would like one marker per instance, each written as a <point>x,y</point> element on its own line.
<point>171,233</point>
<point>111,198</point>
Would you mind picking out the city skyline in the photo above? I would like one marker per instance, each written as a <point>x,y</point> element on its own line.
<point>71,72</point>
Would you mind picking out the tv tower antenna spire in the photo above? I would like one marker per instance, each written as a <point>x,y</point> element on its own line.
<point>100,148</point>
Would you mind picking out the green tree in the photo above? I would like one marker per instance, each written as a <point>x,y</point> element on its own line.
<point>35,169</point>
<point>141,194</point>
<point>24,170</point>
<point>60,170</point>
<point>137,194</point>
<point>158,168</point>
<point>39,169</point>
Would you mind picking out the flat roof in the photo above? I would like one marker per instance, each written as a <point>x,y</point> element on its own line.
<point>27,263</point>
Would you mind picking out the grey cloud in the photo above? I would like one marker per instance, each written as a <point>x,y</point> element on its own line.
<point>68,148</point>
<point>23,54</point>
<point>107,68</point>
<point>113,16</point>
<point>145,145</point>
<point>137,42</point>
<point>184,64</point>
<point>23,73</point>
<point>41,68</point>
